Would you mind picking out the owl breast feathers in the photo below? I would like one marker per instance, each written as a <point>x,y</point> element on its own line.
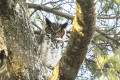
<point>56,30</point>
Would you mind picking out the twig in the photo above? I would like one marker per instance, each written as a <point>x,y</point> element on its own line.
<point>102,33</point>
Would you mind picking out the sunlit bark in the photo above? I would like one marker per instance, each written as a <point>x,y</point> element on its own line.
<point>83,28</point>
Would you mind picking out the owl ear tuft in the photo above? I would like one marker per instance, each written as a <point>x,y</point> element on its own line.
<point>64,25</point>
<point>48,22</point>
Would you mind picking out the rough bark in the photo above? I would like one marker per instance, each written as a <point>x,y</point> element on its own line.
<point>17,40</point>
<point>83,28</point>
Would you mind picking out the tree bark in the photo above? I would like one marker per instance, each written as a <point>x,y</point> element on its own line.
<point>83,28</point>
<point>17,40</point>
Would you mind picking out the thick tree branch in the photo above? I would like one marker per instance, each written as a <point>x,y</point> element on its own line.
<point>83,28</point>
<point>62,14</point>
<point>51,10</point>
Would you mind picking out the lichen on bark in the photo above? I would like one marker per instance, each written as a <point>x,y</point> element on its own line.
<point>83,28</point>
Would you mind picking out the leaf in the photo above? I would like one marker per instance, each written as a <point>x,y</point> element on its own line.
<point>101,62</point>
<point>118,1</point>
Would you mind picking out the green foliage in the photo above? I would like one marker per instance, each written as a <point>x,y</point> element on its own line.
<point>113,64</point>
<point>118,1</point>
<point>110,5</point>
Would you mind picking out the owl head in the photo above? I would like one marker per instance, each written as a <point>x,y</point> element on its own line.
<point>56,30</point>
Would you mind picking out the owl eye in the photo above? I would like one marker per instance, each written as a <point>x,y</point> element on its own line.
<point>48,30</point>
<point>61,33</point>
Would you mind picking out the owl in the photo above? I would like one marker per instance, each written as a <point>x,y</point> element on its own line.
<point>50,46</point>
<point>55,31</point>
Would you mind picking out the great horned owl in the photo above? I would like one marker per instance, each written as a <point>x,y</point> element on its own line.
<point>50,46</point>
<point>55,31</point>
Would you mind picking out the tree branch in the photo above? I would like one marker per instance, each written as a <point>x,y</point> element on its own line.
<point>103,17</point>
<point>51,10</point>
<point>108,37</point>
<point>62,14</point>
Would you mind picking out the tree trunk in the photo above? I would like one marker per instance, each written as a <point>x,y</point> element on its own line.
<point>17,40</point>
<point>83,28</point>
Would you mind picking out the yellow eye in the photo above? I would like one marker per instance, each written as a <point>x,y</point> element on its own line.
<point>61,32</point>
<point>48,30</point>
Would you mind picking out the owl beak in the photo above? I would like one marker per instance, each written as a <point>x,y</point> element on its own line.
<point>54,33</point>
